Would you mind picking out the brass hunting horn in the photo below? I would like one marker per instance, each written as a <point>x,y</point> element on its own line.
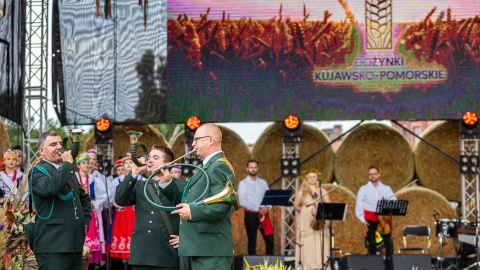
<point>227,195</point>
<point>134,144</point>
<point>74,140</point>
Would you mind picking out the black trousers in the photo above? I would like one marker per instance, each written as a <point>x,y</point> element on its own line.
<point>251,224</point>
<point>372,246</point>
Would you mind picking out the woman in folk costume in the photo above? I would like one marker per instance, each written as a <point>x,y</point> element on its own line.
<point>9,175</point>
<point>87,182</point>
<point>101,198</point>
<point>310,235</point>
<point>123,223</point>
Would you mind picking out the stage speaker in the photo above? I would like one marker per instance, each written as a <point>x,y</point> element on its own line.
<point>363,262</point>
<point>417,262</point>
<point>256,260</point>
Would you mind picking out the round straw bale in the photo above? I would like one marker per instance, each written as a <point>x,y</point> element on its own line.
<point>376,145</point>
<point>4,138</point>
<point>121,140</point>
<point>268,151</point>
<point>421,205</point>
<point>234,148</point>
<point>349,234</point>
<point>434,170</point>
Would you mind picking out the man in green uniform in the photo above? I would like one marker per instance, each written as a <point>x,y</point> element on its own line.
<point>206,230</point>
<point>155,236</point>
<point>62,206</point>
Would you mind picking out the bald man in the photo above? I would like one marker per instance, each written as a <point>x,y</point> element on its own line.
<point>206,230</point>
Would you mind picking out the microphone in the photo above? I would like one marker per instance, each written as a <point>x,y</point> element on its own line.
<point>319,180</point>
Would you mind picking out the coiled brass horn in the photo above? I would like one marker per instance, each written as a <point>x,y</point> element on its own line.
<point>74,140</point>
<point>227,195</point>
<point>134,144</point>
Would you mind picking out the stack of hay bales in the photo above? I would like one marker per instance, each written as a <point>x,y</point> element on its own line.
<point>4,139</point>
<point>121,140</point>
<point>434,170</point>
<point>377,145</point>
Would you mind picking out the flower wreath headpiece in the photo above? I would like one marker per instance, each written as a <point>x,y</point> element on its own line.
<point>305,172</point>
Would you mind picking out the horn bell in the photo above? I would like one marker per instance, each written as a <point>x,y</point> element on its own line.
<point>227,195</point>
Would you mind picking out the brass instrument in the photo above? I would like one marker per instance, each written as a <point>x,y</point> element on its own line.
<point>227,195</point>
<point>74,140</point>
<point>134,144</point>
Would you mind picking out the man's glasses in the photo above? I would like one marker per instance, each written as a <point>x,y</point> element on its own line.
<point>198,138</point>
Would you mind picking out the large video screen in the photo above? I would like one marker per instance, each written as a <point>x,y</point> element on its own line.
<point>250,60</point>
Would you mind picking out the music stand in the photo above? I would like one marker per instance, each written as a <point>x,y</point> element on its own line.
<point>276,197</point>
<point>331,211</point>
<point>391,208</point>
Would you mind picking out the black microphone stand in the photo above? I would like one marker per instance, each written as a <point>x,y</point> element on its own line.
<point>109,218</point>
<point>324,264</point>
<point>299,265</point>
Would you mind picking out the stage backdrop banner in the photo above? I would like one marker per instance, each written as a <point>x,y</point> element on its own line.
<point>109,61</point>
<point>12,59</point>
<point>249,60</point>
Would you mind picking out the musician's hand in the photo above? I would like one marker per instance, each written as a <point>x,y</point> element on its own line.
<point>166,176</point>
<point>174,241</point>
<point>183,211</point>
<point>139,170</point>
<point>365,226</point>
<point>67,156</point>
<point>263,210</point>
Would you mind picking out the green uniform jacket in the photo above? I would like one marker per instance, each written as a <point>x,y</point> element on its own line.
<point>209,232</point>
<point>62,232</point>
<point>149,244</point>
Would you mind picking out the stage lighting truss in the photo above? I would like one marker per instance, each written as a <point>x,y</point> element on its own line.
<point>290,166</point>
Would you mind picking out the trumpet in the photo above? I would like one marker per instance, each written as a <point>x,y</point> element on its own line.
<point>74,140</point>
<point>134,144</point>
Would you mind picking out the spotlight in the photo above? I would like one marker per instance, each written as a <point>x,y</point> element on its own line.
<point>103,130</point>
<point>469,127</point>
<point>190,127</point>
<point>292,128</point>
<point>290,167</point>
<point>468,164</point>
<point>188,170</point>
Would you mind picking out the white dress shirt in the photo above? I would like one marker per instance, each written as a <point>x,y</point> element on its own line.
<point>251,192</point>
<point>368,195</point>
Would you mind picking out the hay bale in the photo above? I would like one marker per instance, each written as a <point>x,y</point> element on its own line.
<point>377,145</point>
<point>434,170</point>
<point>421,203</point>
<point>121,140</point>
<point>268,151</point>
<point>349,234</point>
<point>234,148</point>
<point>4,138</point>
